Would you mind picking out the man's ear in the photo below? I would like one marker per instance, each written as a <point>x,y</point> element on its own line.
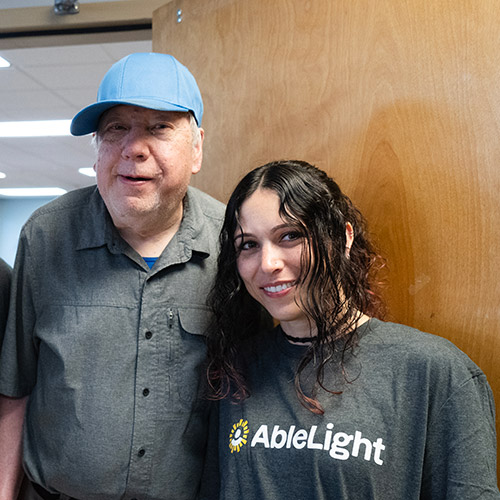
<point>198,154</point>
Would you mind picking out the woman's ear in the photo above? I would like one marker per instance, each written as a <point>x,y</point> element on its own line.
<point>349,238</point>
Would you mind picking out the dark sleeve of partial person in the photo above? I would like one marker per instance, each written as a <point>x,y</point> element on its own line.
<point>5,280</point>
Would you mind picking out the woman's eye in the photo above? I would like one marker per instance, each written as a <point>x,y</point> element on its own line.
<point>247,245</point>
<point>291,236</point>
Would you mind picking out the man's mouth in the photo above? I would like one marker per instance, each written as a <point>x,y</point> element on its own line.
<point>134,178</point>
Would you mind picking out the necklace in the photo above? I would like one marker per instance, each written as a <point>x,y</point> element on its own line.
<point>300,340</point>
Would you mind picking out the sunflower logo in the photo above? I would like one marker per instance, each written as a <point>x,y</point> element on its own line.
<point>238,435</point>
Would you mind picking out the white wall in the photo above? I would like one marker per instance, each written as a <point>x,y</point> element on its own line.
<point>14,212</point>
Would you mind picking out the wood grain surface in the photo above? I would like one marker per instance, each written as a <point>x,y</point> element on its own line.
<point>399,101</point>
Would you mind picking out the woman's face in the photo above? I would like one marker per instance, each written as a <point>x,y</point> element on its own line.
<point>269,260</point>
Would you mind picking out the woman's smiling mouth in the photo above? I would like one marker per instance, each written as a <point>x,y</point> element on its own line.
<point>278,288</point>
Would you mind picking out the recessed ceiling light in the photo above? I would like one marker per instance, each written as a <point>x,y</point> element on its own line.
<point>32,192</point>
<point>88,171</point>
<point>4,63</point>
<point>2,175</point>
<point>42,128</point>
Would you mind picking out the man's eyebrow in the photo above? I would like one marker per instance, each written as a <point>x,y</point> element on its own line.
<point>170,116</point>
<point>109,117</point>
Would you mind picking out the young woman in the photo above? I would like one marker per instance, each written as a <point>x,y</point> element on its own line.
<point>332,403</point>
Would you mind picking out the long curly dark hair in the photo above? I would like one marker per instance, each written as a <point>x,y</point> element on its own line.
<point>337,286</point>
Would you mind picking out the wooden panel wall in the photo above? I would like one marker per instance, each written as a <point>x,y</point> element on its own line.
<point>399,101</point>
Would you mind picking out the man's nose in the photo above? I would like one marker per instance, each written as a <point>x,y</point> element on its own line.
<point>135,145</point>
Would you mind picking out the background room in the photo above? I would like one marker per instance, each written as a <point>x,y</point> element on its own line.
<point>53,66</point>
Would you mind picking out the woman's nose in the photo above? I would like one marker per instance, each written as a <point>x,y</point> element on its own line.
<point>272,259</point>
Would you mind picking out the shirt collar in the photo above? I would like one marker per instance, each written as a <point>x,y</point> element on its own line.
<point>193,224</point>
<point>98,229</point>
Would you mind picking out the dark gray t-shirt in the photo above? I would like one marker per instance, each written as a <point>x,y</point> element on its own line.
<point>415,420</point>
<point>5,278</point>
<point>111,351</point>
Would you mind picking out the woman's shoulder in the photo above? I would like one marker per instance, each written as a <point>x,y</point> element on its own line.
<point>402,342</point>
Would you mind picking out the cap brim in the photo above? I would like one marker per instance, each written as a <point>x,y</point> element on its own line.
<point>87,120</point>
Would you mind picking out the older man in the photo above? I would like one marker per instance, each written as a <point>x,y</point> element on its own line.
<point>104,346</point>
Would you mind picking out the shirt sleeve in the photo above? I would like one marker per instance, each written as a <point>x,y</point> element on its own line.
<point>5,278</point>
<point>18,352</point>
<point>460,457</point>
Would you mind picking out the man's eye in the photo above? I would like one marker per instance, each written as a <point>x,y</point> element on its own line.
<point>160,128</point>
<point>114,127</point>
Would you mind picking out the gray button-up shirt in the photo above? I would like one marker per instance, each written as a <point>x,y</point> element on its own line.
<point>110,351</point>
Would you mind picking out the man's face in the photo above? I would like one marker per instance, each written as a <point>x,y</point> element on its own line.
<point>145,159</point>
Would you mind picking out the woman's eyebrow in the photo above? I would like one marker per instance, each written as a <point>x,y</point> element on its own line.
<point>274,229</point>
<point>285,225</point>
<point>242,235</point>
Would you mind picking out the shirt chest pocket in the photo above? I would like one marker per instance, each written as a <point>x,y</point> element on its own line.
<point>189,355</point>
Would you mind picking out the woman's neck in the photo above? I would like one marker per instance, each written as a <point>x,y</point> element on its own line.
<point>302,332</point>
<point>301,329</point>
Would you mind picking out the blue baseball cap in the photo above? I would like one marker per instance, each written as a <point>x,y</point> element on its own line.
<point>150,80</point>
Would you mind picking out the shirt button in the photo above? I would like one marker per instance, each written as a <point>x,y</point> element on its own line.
<point>145,392</point>
<point>141,452</point>
<point>148,335</point>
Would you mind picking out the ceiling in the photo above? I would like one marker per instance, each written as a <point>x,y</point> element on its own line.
<point>48,83</point>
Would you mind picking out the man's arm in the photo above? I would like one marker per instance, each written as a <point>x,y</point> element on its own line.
<point>11,426</point>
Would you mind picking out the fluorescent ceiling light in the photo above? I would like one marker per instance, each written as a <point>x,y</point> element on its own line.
<point>43,128</point>
<point>32,192</point>
<point>4,63</point>
<point>88,171</point>
<point>2,175</point>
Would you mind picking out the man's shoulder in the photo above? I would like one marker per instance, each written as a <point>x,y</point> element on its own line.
<point>64,218</point>
<point>63,206</point>
<point>72,200</point>
<point>209,206</point>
